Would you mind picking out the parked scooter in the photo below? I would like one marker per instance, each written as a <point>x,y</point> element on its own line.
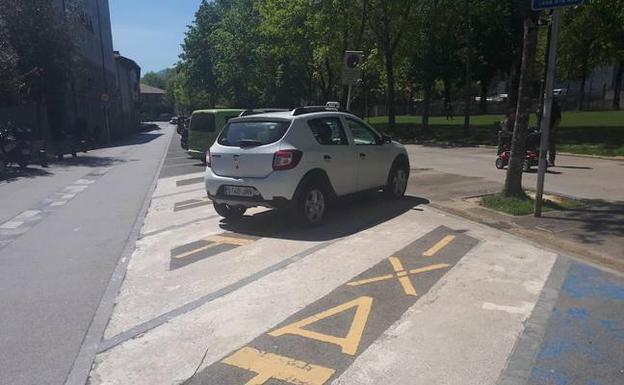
<point>18,147</point>
<point>15,146</point>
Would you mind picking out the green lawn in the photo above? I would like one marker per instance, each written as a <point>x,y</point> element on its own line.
<point>595,133</point>
<point>517,206</point>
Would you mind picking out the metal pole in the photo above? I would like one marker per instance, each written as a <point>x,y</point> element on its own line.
<point>349,97</point>
<point>548,102</point>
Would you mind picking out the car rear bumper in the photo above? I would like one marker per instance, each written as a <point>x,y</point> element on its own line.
<point>276,190</point>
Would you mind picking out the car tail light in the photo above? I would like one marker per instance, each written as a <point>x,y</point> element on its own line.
<point>208,158</point>
<point>286,159</point>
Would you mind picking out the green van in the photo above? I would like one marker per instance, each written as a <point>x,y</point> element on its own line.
<point>204,128</point>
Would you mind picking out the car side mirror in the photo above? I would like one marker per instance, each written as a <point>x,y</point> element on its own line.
<point>385,139</point>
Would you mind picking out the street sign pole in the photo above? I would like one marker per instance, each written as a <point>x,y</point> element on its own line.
<point>548,103</point>
<point>349,97</point>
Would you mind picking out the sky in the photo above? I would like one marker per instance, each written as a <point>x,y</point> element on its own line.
<point>150,31</point>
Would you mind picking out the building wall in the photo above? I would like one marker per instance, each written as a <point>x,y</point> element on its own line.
<point>126,98</point>
<point>97,78</point>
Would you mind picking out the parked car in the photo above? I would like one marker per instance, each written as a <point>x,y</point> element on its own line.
<point>204,127</point>
<point>301,160</point>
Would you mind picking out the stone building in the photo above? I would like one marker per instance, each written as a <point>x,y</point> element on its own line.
<point>101,100</point>
<point>104,93</point>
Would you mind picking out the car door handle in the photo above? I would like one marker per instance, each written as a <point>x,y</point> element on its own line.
<point>362,155</point>
<point>327,157</point>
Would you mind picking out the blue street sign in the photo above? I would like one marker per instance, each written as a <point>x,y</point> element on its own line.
<point>550,4</point>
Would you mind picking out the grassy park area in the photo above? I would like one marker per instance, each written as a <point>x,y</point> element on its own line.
<point>592,133</point>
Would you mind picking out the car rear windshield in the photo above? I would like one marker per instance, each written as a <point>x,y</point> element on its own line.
<point>252,133</point>
<point>202,122</point>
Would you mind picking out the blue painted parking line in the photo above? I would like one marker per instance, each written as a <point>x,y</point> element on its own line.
<point>584,340</point>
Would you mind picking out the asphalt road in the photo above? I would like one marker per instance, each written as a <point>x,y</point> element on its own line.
<point>588,178</point>
<point>63,231</point>
<point>199,296</point>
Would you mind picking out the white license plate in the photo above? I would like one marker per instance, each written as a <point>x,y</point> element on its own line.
<point>239,191</point>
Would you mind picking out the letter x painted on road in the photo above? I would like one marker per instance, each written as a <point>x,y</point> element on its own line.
<point>401,274</point>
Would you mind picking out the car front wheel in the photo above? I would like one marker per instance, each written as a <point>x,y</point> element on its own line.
<point>229,212</point>
<point>397,183</point>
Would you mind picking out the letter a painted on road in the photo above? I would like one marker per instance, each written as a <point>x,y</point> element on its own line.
<point>350,343</point>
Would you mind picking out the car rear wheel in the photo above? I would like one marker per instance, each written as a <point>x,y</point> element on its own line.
<point>311,205</point>
<point>397,182</point>
<point>229,212</point>
<point>500,163</point>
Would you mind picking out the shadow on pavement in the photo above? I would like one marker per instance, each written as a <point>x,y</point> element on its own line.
<point>343,219</point>
<point>598,226</point>
<point>13,174</point>
<point>598,220</point>
<point>140,138</point>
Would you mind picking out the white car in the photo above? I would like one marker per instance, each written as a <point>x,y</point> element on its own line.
<point>301,160</point>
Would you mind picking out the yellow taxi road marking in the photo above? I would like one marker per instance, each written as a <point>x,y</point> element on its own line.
<point>230,240</point>
<point>194,202</point>
<point>272,366</point>
<point>401,275</point>
<point>371,280</point>
<point>404,280</point>
<point>216,240</point>
<point>439,246</point>
<point>350,343</point>
<point>191,252</point>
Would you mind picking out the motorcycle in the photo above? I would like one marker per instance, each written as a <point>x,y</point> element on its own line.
<point>15,146</point>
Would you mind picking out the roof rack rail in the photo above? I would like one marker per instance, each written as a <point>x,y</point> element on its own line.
<point>257,111</point>
<point>313,109</point>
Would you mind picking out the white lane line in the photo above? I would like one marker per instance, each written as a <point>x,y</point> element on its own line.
<point>524,309</point>
<point>11,225</point>
<point>66,197</point>
<point>27,214</point>
<point>58,203</point>
<point>84,182</point>
<point>75,189</point>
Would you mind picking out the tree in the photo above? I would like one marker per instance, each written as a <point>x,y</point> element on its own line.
<point>513,180</point>
<point>389,20</point>
<point>46,43</point>
<point>8,67</point>
<point>580,49</point>
<point>154,79</point>
<point>197,57</point>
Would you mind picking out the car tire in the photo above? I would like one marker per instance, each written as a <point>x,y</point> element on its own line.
<point>311,204</point>
<point>229,212</point>
<point>500,163</point>
<point>397,182</point>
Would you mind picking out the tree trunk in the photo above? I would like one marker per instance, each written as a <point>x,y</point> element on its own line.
<point>617,89</point>
<point>514,83</point>
<point>513,181</point>
<point>426,110</point>
<point>483,101</point>
<point>390,92</point>
<point>447,92</point>
<point>581,104</point>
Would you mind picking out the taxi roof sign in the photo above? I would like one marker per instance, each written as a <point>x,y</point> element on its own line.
<point>552,4</point>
